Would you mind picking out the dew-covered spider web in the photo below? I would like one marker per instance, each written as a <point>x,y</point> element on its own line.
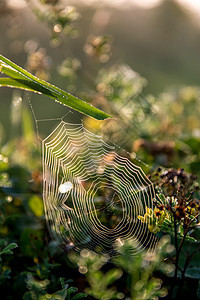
<point>92,195</point>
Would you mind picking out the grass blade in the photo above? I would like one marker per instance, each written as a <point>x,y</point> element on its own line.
<point>22,79</point>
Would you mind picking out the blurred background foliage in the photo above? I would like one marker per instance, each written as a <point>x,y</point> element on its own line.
<point>141,66</point>
<point>87,51</point>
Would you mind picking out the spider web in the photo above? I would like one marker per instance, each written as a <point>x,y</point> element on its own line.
<point>92,195</point>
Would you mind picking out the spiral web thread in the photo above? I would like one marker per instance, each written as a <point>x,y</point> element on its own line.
<point>92,195</point>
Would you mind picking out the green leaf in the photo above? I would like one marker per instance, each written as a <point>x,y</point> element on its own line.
<point>161,197</point>
<point>30,240</point>
<point>193,272</point>
<point>79,296</point>
<point>190,247</point>
<point>36,205</point>
<point>63,284</point>
<point>70,291</point>
<point>27,125</point>
<point>13,83</point>
<point>22,79</point>
<point>27,296</point>
<point>111,276</point>
<point>196,233</point>
<point>7,249</point>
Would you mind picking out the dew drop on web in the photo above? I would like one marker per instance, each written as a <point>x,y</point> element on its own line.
<point>65,187</point>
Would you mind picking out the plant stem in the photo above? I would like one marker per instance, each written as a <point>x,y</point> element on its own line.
<point>177,249</point>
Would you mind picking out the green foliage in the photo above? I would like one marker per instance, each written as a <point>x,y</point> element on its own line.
<point>68,69</point>
<point>140,268</point>
<point>120,84</point>
<point>98,47</point>
<point>8,249</point>
<point>176,213</point>
<point>137,270</point>
<point>37,291</point>
<point>90,264</point>
<point>36,205</point>
<point>60,19</point>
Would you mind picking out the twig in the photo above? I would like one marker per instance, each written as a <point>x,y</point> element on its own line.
<point>177,248</point>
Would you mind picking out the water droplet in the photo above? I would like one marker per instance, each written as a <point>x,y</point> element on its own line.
<point>5,160</point>
<point>57,28</point>
<point>9,199</point>
<point>85,253</point>
<point>65,187</point>
<point>83,269</point>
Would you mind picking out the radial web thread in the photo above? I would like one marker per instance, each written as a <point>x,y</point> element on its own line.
<point>92,195</point>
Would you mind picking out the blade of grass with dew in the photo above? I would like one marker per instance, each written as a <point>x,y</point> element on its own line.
<point>22,79</point>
